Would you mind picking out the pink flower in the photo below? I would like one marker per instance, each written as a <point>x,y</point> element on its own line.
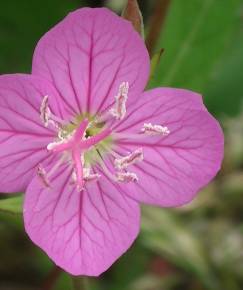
<point>88,146</point>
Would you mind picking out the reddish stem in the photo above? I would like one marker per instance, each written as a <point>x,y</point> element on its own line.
<point>156,24</point>
<point>51,278</point>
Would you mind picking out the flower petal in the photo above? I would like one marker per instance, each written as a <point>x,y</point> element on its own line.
<point>88,55</point>
<point>83,232</point>
<point>176,166</point>
<point>23,138</point>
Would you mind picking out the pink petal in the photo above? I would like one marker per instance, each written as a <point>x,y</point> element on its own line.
<point>83,232</point>
<point>88,55</point>
<point>23,138</point>
<point>176,166</point>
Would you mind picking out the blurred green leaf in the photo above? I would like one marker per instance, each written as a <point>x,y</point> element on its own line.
<point>224,91</point>
<point>154,64</point>
<point>22,23</point>
<point>165,235</point>
<point>156,282</point>
<point>12,204</point>
<point>120,276</point>
<point>64,282</point>
<point>196,36</point>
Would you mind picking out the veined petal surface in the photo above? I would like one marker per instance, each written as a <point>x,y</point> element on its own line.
<point>82,232</point>
<point>88,56</point>
<point>23,137</point>
<point>175,166</point>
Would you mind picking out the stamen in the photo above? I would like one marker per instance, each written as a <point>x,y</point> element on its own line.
<point>45,112</point>
<point>126,177</point>
<point>88,176</point>
<point>62,134</point>
<point>119,111</point>
<point>150,129</point>
<point>43,176</point>
<point>60,161</point>
<point>47,117</point>
<point>122,163</point>
<point>105,169</point>
<point>111,151</point>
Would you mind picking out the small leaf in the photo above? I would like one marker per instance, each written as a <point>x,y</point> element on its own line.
<point>203,46</point>
<point>155,62</point>
<point>133,14</point>
<point>12,205</point>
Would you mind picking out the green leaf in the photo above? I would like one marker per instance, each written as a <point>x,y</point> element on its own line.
<point>164,234</point>
<point>22,23</point>
<point>196,36</point>
<point>154,64</point>
<point>12,205</point>
<point>224,91</point>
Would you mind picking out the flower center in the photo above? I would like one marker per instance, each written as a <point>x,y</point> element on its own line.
<point>77,143</point>
<point>86,140</point>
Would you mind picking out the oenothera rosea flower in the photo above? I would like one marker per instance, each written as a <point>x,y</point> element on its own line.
<point>87,145</point>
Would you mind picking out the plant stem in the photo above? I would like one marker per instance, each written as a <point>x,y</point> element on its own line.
<point>156,24</point>
<point>52,278</point>
<point>80,283</point>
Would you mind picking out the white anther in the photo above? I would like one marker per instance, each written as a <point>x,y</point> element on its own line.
<point>150,129</point>
<point>62,134</point>
<point>74,177</point>
<point>46,115</point>
<point>45,112</point>
<point>119,111</point>
<point>124,162</point>
<point>88,176</point>
<point>126,177</point>
<point>43,176</point>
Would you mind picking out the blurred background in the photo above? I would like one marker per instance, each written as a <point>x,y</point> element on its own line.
<point>197,247</point>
